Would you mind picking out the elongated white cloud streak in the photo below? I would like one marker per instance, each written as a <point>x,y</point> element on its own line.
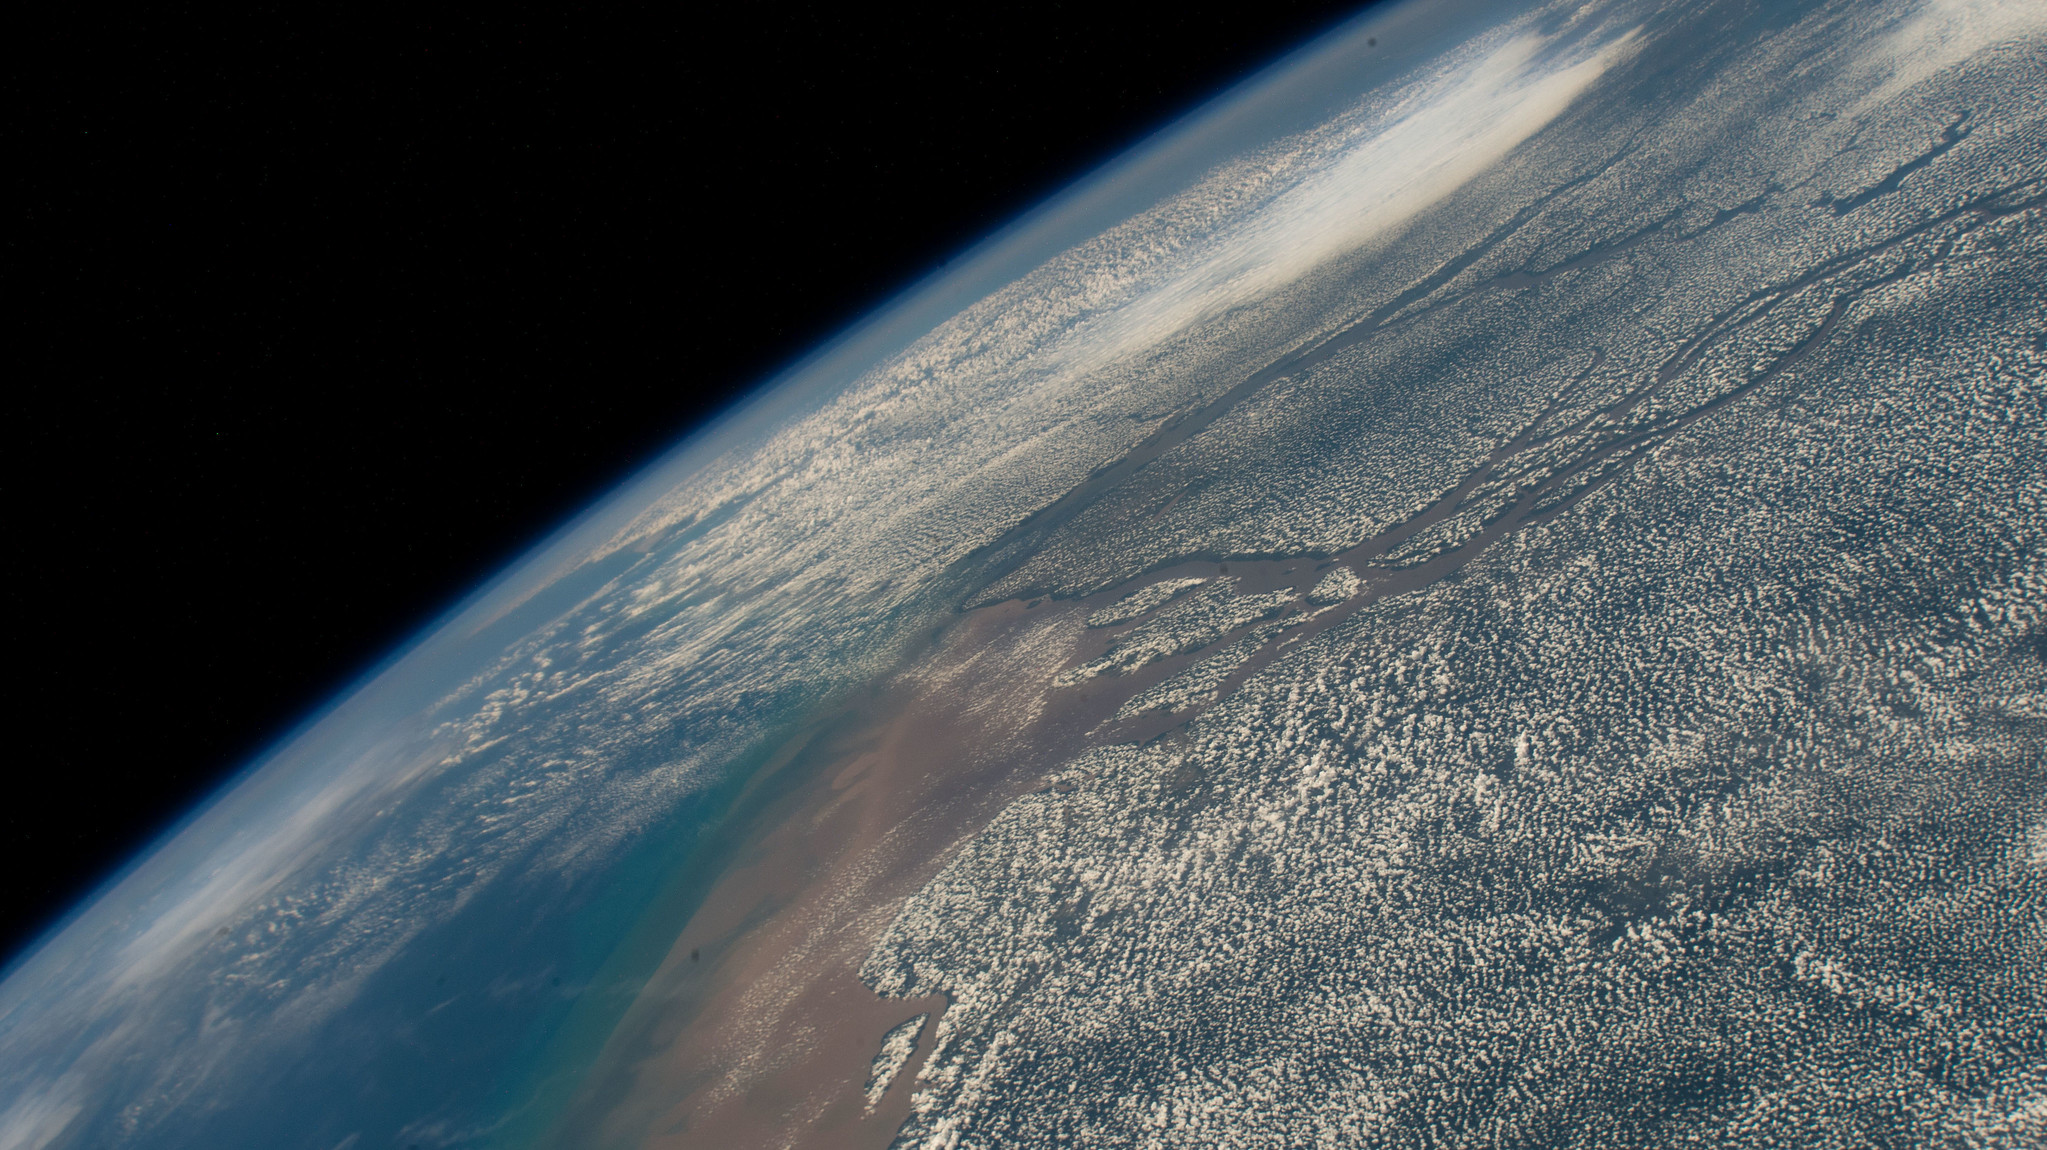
<point>1943,33</point>
<point>1386,171</point>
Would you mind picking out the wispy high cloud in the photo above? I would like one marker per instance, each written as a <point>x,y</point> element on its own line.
<point>1938,34</point>
<point>1443,130</point>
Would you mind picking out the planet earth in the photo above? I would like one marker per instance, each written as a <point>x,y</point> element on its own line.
<point>1484,589</point>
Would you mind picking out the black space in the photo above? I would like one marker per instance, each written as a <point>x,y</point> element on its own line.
<point>332,316</point>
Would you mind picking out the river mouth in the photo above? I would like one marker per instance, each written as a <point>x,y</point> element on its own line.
<point>757,1029</point>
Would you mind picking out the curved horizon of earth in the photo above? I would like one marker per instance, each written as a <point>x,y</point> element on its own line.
<point>1484,589</point>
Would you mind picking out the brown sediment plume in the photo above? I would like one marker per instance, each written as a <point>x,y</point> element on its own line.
<point>768,1037</point>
